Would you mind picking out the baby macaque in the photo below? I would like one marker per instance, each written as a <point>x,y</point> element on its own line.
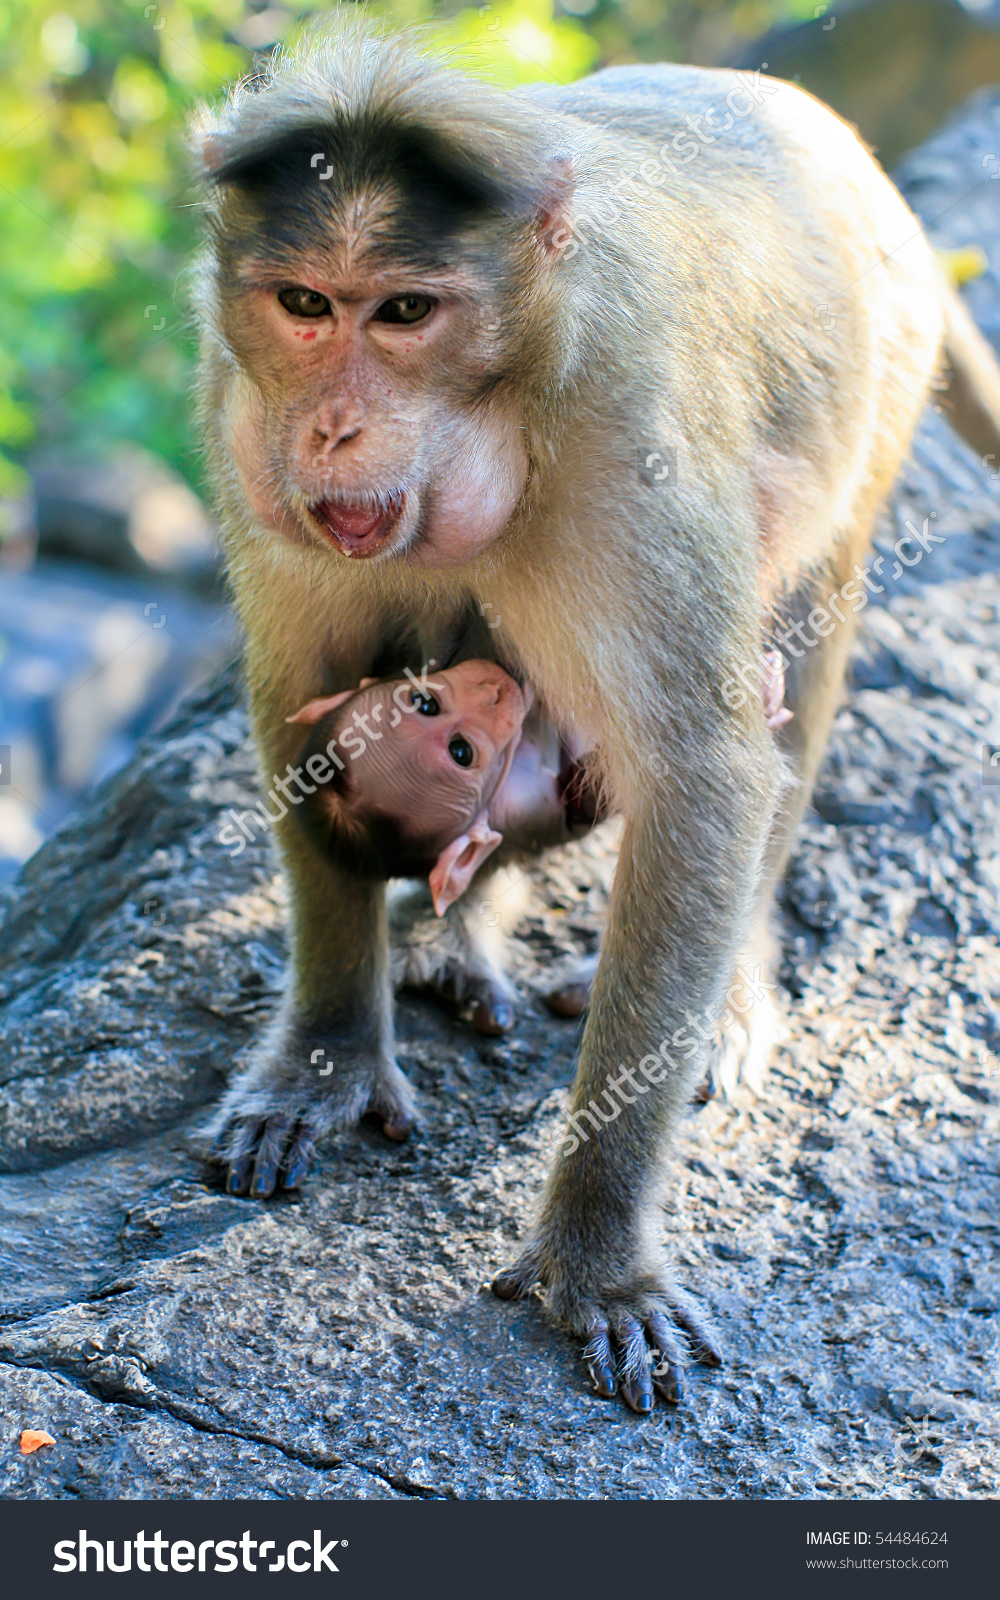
<point>441,770</point>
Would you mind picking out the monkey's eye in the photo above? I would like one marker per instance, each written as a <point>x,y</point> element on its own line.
<point>461,752</point>
<point>407,308</point>
<point>304,302</point>
<point>425,703</point>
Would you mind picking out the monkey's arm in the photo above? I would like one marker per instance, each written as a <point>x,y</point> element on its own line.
<point>327,1058</point>
<point>697,793</point>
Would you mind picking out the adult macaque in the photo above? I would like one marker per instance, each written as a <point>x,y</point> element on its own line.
<point>446,330</point>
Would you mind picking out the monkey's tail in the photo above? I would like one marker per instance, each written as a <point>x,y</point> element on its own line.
<point>971,379</point>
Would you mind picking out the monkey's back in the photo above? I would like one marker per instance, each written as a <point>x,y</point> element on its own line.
<point>768,202</point>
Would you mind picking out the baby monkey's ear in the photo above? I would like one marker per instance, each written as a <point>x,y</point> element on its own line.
<point>459,861</point>
<point>316,710</point>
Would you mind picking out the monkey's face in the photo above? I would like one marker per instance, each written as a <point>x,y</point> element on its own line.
<point>423,764</point>
<point>375,405</point>
<point>434,757</point>
<point>371,425</point>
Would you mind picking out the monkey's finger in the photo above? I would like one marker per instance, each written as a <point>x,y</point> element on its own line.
<point>600,1361</point>
<point>570,1001</point>
<point>218,1150</point>
<point>704,1344</point>
<point>299,1157</point>
<point>633,1365</point>
<point>241,1156</point>
<point>513,1283</point>
<point>269,1153</point>
<point>669,1359</point>
<point>493,1018</point>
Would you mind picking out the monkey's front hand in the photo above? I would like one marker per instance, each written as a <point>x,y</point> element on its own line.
<point>303,1085</point>
<point>614,1295</point>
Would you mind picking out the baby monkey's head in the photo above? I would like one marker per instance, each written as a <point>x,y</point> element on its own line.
<point>414,766</point>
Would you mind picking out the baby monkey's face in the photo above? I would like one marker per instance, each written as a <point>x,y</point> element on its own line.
<point>429,758</point>
<point>457,741</point>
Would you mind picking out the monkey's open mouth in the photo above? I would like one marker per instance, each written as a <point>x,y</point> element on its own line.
<point>358,530</point>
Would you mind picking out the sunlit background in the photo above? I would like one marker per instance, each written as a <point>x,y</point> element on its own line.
<point>110,607</point>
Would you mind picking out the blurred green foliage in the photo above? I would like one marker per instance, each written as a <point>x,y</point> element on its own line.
<point>96,219</point>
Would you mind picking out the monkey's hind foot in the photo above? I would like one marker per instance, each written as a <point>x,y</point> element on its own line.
<point>571,996</point>
<point>265,1132</point>
<point>458,959</point>
<point>745,1047</point>
<point>631,1341</point>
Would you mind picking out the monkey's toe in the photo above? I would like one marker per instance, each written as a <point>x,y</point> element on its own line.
<point>702,1338</point>
<point>571,997</point>
<point>493,1016</point>
<point>668,1359</point>
<point>639,1356</point>
<point>299,1157</point>
<point>392,1103</point>
<point>570,1001</point>
<point>237,1151</point>
<point>634,1365</point>
<point>598,1355</point>
<point>517,1281</point>
<point>270,1153</point>
<point>705,1090</point>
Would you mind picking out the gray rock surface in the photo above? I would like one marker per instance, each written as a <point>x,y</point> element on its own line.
<point>843,1225</point>
<point>90,662</point>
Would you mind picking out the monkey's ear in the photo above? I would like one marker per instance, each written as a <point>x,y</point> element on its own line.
<point>316,710</point>
<point>459,862</point>
<point>552,216</point>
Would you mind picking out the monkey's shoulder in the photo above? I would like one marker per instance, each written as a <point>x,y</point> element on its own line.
<point>718,112</point>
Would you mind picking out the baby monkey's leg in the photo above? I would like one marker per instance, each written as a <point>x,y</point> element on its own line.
<point>460,957</point>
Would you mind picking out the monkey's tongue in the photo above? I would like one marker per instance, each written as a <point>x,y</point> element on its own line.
<point>355,527</point>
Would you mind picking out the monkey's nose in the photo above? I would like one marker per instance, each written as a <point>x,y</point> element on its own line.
<point>330,439</point>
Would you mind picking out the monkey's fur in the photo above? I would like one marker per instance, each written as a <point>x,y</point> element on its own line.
<point>699,322</point>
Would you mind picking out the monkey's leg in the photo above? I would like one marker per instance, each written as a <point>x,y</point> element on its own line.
<point>814,687</point>
<point>814,680</point>
<point>571,998</point>
<point>677,920</point>
<point>460,957</point>
<point>328,1057</point>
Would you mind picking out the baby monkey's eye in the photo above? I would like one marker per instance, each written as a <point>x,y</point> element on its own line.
<point>304,302</point>
<point>407,308</point>
<point>425,703</point>
<point>461,752</point>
